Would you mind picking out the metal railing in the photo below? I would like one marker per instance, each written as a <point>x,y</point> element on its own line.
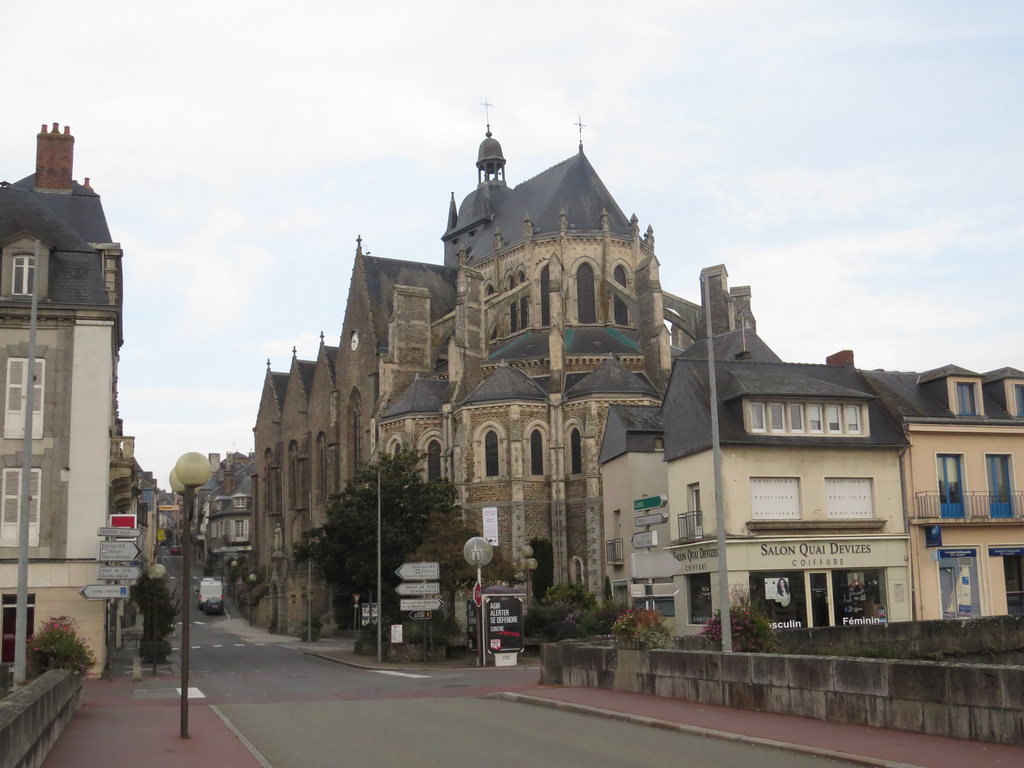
<point>691,525</point>
<point>613,550</point>
<point>968,506</point>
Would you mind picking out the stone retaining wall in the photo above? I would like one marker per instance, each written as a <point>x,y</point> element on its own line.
<point>34,716</point>
<point>975,702</point>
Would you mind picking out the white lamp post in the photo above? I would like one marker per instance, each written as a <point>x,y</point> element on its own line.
<point>529,566</point>
<point>478,551</point>
<point>191,471</point>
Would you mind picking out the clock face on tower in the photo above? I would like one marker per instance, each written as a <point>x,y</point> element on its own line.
<point>354,340</point>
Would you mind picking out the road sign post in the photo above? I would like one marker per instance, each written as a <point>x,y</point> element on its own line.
<point>419,571</point>
<point>104,591</point>
<point>644,540</point>
<point>118,551</point>
<point>649,502</point>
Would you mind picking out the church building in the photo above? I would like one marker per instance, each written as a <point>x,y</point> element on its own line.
<point>500,363</point>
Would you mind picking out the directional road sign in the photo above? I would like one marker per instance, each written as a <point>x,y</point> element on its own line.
<point>421,604</point>
<point>118,572</point>
<point>410,588</point>
<point>118,551</point>
<point>419,571</point>
<point>104,591</point>
<point>655,518</point>
<point>123,533</point>
<point>649,502</point>
<point>419,615</point>
<point>645,539</point>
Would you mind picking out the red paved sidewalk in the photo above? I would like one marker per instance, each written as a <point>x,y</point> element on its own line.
<point>112,730</point>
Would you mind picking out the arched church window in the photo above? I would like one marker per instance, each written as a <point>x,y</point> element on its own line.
<point>294,491</point>
<point>490,292</point>
<point>524,305</point>
<point>513,309</point>
<point>491,454</point>
<point>619,306</point>
<point>545,298</point>
<point>434,460</point>
<point>536,453</point>
<point>576,452</point>
<point>586,306</point>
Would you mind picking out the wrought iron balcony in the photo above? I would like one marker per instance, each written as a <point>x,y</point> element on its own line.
<point>691,525</point>
<point>613,551</point>
<point>970,506</point>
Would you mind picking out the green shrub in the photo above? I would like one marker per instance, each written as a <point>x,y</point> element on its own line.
<point>752,631</point>
<point>162,649</point>
<point>645,628</point>
<point>574,595</point>
<point>57,646</point>
<point>304,630</point>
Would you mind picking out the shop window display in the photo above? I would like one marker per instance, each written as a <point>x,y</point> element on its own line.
<point>700,598</point>
<point>859,597</point>
<point>783,597</point>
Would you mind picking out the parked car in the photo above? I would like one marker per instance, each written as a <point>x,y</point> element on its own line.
<point>175,550</point>
<point>209,588</point>
<point>213,605</point>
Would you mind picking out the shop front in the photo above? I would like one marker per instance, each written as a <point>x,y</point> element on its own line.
<point>800,582</point>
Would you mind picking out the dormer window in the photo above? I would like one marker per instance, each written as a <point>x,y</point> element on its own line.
<point>24,273</point>
<point>966,400</point>
<point>806,418</point>
<point>1018,399</point>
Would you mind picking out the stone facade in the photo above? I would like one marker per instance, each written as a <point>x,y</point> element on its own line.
<point>501,364</point>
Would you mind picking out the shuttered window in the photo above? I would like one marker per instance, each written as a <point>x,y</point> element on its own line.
<point>11,506</point>
<point>17,391</point>
<point>849,497</point>
<point>774,498</point>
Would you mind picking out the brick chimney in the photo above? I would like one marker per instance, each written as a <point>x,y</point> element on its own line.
<point>843,357</point>
<point>54,157</point>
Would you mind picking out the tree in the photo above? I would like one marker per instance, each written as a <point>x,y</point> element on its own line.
<point>544,576</point>
<point>344,548</point>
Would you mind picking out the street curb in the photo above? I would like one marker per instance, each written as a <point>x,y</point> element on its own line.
<point>710,733</point>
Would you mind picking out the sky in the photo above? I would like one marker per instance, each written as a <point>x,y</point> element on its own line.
<point>859,165</point>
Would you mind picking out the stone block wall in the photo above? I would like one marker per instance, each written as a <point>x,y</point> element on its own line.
<point>975,702</point>
<point>34,716</point>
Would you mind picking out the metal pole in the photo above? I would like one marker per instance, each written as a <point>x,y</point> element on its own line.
<point>186,600</point>
<point>716,445</point>
<point>25,510</point>
<point>380,616</point>
<point>480,618</point>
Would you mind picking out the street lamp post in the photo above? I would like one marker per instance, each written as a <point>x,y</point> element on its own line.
<point>478,552</point>
<point>191,471</point>
<point>252,596</point>
<point>156,573</point>
<point>231,573</point>
<point>529,566</point>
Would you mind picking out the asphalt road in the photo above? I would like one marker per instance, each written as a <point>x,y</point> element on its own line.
<point>301,711</point>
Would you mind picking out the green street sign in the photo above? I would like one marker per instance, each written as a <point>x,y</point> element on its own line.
<point>649,502</point>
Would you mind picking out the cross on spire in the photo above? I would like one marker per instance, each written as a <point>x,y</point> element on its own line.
<point>581,125</point>
<point>487,114</point>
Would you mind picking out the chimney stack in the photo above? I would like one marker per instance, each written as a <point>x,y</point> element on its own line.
<point>843,357</point>
<point>54,158</point>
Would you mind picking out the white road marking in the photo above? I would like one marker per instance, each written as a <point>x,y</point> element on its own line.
<point>398,674</point>
<point>193,693</point>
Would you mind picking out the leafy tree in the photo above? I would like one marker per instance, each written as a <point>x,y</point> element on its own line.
<point>159,609</point>
<point>544,577</point>
<point>344,548</point>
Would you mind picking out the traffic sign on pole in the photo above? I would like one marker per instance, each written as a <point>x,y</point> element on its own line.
<point>645,539</point>
<point>655,518</point>
<point>419,615</point>
<point>118,551</point>
<point>410,588</point>
<point>419,571</point>
<point>118,572</point>
<point>104,591</point>
<point>421,604</point>
<point>122,533</point>
<point>649,502</point>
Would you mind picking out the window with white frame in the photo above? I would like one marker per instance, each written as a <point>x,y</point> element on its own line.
<point>777,413</point>
<point>17,395</point>
<point>757,417</point>
<point>775,498</point>
<point>241,529</point>
<point>1018,399</point>
<point>814,419</point>
<point>23,274</point>
<point>10,514</point>
<point>834,419</point>
<point>796,417</point>
<point>241,502</point>
<point>849,497</point>
<point>853,419</point>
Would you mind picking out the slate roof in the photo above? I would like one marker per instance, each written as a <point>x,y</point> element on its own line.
<point>1002,373</point>
<point>631,428</point>
<point>382,275</point>
<point>422,396</point>
<point>572,184</point>
<point>611,377</point>
<point>734,345</point>
<point>943,372</point>
<point>687,416</point>
<point>907,397</point>
<point>307,372</point>
<point>279,385</point>
<point>506,383</point>
<point>75,269</point>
